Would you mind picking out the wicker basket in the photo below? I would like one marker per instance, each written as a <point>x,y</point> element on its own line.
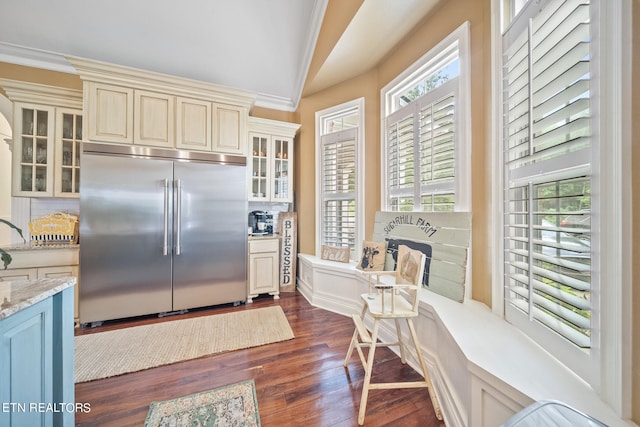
<point>57,227</point>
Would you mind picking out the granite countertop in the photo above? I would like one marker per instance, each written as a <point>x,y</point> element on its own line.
<point>20,294</point>
<point>31,246</point>
<point>264,236</point>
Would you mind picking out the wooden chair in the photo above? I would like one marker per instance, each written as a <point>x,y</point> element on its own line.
<point>392,295</point>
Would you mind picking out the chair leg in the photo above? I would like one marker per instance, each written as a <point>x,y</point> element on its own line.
<point>403,359</point>
<point>367,376</point>
<point>351,347</point>
<point>354,339</point>
<point>425,373</point>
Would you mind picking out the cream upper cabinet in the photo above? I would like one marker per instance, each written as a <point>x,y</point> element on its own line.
<point>230,127</point>
<point>128,116</point>
<point>153,119</point>
<point>47,161</point>
<point>193,124</point>
<point>46,138</point>
<point>109,113</point>
<point>130,106</point>
<point>270,160</point>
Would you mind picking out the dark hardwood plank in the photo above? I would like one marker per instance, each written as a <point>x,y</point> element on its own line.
<point>298,382</point>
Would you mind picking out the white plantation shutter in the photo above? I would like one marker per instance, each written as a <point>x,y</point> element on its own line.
<point>401,160</point>
<point>547,155</point>
<point>437,154</point>
<point>339,188</point>
<point>421,159</point>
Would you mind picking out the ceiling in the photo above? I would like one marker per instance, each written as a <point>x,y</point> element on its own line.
<point>265,47</point>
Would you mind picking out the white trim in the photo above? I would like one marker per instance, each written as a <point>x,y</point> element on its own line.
<point>35,93</point>
<point>319,7</point>
<point>275,102</point>
<point>613,181</point>
<point>463,149</point>
<point>616,203</point>
<point>36,58</point>
<point>497,175</point>
<point>461,35</point>
<point>360,196</point>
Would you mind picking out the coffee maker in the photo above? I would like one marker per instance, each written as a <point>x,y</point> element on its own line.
<point>260,223</point>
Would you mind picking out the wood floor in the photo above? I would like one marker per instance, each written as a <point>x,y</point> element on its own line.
<point>298,382</point>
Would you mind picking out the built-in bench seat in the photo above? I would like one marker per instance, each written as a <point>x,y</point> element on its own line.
<point>484,370</point>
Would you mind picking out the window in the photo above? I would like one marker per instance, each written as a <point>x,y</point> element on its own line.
<point>425,131</point>
<point>339,132</point>
<point>548,141</point>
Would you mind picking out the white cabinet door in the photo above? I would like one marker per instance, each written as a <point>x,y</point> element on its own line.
<point>229,129</point>
<point>153,119</point>
<point>193,124</point>
<point>264,274</point>
<point>110,111</point>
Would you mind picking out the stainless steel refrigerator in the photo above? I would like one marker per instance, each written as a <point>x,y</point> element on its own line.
<point>160,231</point>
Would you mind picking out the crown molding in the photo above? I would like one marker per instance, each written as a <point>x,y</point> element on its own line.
<point>36,58</point>
<point>103,72</point>
<point>99,71</point>
<point>273,127</point>
<point>319,8</point>
<point>36,93</point>
<point>275,102</point>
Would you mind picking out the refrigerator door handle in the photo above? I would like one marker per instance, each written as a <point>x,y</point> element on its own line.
<point>165,246</point>
<point>178,184</point>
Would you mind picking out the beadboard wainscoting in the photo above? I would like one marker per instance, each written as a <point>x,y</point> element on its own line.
<point>484,370</point>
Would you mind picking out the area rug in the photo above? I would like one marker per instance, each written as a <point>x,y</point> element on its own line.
<point>111,353</point>
<point>231,405</point>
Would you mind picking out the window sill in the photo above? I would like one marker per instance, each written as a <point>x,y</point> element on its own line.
<point>498,353</point>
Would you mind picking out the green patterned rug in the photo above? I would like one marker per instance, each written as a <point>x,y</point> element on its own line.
<point>231,405</point>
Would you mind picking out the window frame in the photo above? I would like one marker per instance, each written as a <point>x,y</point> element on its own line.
<point>612,177</point>
<point>571,165</point>
<point>320,116</point>
<point>462,183</point>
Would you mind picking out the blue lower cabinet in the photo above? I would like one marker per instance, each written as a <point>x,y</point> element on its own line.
<point>36,364</point>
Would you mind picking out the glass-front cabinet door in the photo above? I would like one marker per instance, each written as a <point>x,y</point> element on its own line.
<point>33,150</point>
<point>68,146</point>
<point>259,167</point>
<point>271,160</point>
<point>283,155</point>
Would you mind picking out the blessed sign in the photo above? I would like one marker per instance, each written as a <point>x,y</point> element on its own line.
<point>287,227</point>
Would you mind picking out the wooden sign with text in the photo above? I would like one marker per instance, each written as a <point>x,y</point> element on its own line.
<point>287,228</point>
